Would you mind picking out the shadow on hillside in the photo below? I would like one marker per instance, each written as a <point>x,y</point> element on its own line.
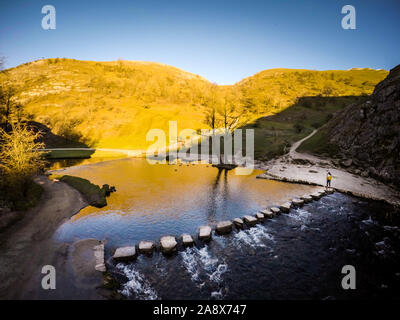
<point>273,135</point>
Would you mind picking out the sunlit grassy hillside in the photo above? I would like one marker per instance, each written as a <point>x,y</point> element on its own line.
<point>114,104</point>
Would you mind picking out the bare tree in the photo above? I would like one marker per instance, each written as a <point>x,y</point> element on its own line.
<point>211,104</point>
<point>7,103</point>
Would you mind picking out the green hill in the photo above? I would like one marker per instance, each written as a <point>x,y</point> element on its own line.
<point>114,104</point>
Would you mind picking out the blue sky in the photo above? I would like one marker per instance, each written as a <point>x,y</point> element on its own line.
<point>223,41</point>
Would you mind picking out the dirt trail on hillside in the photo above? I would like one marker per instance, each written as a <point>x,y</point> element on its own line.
<point>27,246</point>
<point>309,169</point>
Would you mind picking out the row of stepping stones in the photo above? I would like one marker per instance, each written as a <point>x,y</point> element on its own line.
<point>168,244</point>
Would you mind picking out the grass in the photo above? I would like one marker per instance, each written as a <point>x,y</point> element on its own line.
<point>92,193</point>
<point>318,144</point>
<point>275,134</point>
<point>69,154</point>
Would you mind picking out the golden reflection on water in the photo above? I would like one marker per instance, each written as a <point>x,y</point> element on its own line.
<point>173,190</point>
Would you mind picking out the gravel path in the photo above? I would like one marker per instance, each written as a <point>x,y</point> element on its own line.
<point>309,169</point>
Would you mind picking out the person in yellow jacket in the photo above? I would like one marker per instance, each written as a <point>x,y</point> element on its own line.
<point>328,179</point>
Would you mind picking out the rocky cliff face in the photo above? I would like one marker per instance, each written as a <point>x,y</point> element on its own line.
<point>368,135</point>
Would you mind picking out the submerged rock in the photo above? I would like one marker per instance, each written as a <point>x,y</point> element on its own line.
<point>124,253</point>
<point>168,244</point>
<point>205,233</point>
<point>224,227</point>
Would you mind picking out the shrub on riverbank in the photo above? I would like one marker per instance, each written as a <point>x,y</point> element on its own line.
<point>18,163</point>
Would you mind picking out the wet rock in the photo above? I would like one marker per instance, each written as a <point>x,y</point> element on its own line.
<point>187,240</point>
<point>224,227</point>
<point>168,244</point>
<point>364,174</point>
<point>146,247</point>
<point>307,198</point>
<point>267,214</point>
<point>285,207</point>
<point>275,210</point>
<point>205,233</point>
<point>250,221</point>
<point>99,257</point>
<point>259,216</point>
<point>316,196</point>
<point>368,132</point>
<point>346,163</point>
<point>106,189</point>
<point>298,202</point>
<point>125,254</point>
<point>329,191</point>
<point>238,222</point>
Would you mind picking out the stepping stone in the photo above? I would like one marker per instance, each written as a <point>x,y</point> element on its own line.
<point>275,210</point>
<point>146,247</point>
<point>315,196</point>
<point>329,191</point>
<point>224,227</point>
<point>307,198</point>
<point>250,221</point>
<point>205,233</point>
<point>99,258</point>
<point>187,240</point>
<point>285,207</point>
<point>124,254</point>
<point>238,222</point>
<point>259,216</point>
<point>268,214</point>
<point>168,244</point>
<point>298,202</point>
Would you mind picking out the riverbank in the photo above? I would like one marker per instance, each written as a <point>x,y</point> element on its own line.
<point>27,246</point>
<point>309,169</point>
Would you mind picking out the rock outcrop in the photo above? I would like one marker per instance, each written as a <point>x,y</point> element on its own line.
<point>368,135</point>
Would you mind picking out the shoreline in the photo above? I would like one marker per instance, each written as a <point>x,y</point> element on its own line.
<point>27,246</point>
<point>295,167</point>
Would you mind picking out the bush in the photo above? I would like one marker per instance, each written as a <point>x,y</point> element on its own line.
<point>316,125</point>
<point>18,162</point>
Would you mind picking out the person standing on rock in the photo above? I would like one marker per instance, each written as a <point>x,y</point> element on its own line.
<point>328,180</point>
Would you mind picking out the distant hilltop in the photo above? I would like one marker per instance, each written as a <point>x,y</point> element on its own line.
<point>114,104</point>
